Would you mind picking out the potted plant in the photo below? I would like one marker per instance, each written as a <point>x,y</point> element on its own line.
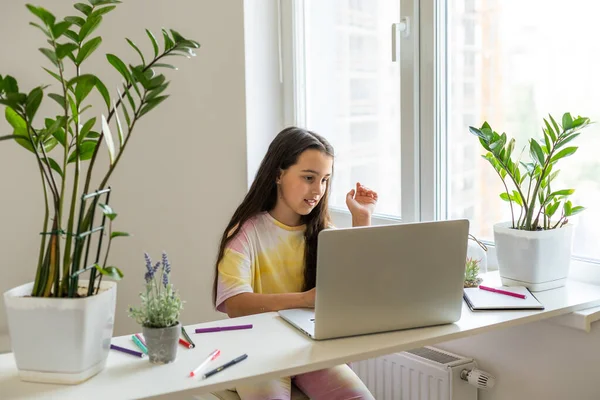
<point>159,313</point>
<point>534,248</point>
<point>77,316</point>
<point>472,278</point>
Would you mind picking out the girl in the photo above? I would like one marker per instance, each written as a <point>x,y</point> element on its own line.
<point>268,253</point>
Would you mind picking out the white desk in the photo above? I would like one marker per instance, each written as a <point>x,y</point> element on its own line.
<point>275,349</point>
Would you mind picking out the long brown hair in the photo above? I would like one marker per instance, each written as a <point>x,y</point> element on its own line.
<point>283,152</point>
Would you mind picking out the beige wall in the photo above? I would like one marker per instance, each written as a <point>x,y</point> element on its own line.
<point>185,169</point>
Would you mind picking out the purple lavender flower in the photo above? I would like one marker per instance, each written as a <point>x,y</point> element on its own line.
<point>166,263</point>
<point>155,268</point>
<point>148,277</point>
<point>148,262</point>
<point>165,279</point>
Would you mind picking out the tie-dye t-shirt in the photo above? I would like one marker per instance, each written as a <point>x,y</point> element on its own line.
<point>265,257</point>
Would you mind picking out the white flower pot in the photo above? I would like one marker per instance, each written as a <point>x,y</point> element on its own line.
<point>538,260</point>
<point>61,340</point>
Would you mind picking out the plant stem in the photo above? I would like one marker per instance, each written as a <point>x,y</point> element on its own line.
<point>36,285</point>
<point>67,257</point>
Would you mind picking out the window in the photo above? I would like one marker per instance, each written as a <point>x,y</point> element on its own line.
<point>501,61</point>
<point>516,85</point>
<point>352,92</point>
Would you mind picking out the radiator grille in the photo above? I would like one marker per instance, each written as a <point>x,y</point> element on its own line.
<point>433,355</point>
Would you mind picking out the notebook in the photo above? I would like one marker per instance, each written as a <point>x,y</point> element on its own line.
<point>480,300</point>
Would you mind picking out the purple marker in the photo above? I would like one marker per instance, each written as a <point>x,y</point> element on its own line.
<point>223,328</point>
<point>128,351</point>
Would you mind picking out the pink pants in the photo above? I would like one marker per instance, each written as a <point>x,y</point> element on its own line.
<point>337,383</point>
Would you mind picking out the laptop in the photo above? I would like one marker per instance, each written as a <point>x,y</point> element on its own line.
<point>385,278</point>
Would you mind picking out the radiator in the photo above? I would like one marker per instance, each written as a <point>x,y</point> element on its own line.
<point>425,373</point>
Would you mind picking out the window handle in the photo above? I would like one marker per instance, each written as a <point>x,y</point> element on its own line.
<point>398,29</point>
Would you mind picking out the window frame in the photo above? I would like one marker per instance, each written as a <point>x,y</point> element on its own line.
<point>424,71</point>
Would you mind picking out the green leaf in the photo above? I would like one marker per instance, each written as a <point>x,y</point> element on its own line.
<point>577,210</point>
<point>156,82</point>
<point>87,127</point>
<point>90,25</point>
<point>86,150</point>
<point>155,92</point>
<point>563,192</point>
<point>566,152</point>
<point>54,165</point>
<point>176,36</point>
<point>536,151</point>
<point>84,8</point>
<point>108,139</point>
<point>75,20</point>
<point>63,50</point>
<point>111,272</point>
<point>504,196</point>
<point>140,77</point>
<point>50,144</point>
<point>555,125</point>
<point>119,127</point>
<point>120,66</point>
<point>34,99</point>
<point>124,108</point>
<point>131,102</point>
<point>568,208</point>
<point>108,211</point>
<point>87,49</point>
<point>54,75</point>
<point>85,84</point>
<point>567,139</point>
<point>43,14</point>
<point>10,84</point>
<point>51,56</point>
<point>59,29</point>
<point>516,196</point>
<point>154,42</point>
<point>96,3</point>
<point>567,121</point>
<point>60,137</point>
<point>550,132</point>
<point>551,209</point>
<point>58,98</point>
<point>548,145</point>
<point>72,35</point>
<point>138,51</point>
<point>46,32</point>
<point>103,91</point>
<point>168,42</point>
<point>119,234</point>
<point>159,65</point>
<point>151,104</point>
<point>102,11</point>
<point>16,121</point>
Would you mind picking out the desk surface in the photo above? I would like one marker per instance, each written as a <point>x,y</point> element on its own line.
<point>276,349</point>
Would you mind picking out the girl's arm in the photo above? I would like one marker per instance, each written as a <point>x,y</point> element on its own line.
<point>255,303</point>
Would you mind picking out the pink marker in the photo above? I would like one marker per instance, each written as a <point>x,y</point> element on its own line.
<point>489,289</point>
<point>210,357</point>
<point>141,339</point>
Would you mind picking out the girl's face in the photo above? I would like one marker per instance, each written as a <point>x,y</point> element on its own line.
<point>302,185</point>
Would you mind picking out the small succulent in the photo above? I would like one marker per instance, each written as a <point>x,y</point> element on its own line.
<point>472,278</point>
<point>161,304</point>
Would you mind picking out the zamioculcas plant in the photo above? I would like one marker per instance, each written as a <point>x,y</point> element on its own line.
<point>69,138</point>
<point>529,184</point>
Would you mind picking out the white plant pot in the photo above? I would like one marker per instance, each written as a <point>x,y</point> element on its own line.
<point>538,260</point>
<point>60,340</point>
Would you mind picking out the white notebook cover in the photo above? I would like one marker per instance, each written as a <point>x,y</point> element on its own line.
<point>479,299</point>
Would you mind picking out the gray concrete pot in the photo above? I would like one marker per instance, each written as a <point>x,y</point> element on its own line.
<point>162,343</point>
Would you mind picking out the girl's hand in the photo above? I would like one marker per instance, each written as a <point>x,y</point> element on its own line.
<point>361,201</point>
<point>309,298</point>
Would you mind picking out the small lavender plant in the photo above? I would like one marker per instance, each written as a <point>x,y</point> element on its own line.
<point>161,304</point>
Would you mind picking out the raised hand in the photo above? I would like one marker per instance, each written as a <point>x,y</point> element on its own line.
<point>361,202</point>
